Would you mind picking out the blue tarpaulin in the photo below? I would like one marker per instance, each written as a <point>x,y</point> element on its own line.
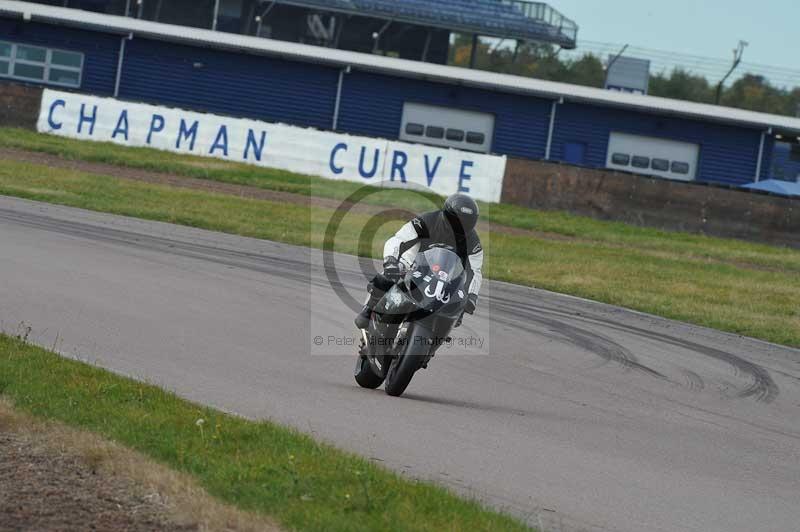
<point>787,188</point>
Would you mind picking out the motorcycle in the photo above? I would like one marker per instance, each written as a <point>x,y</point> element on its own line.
<point>411,321</point>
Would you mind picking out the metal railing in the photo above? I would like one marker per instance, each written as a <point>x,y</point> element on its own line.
<point>544,13</point>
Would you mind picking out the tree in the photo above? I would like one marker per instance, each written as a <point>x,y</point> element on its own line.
<point>541,61</point>
<point>682,85</point>
<point>588,70</point>
<point>755,93</point>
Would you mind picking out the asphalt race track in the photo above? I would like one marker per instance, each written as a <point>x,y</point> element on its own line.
<point>580,417</point>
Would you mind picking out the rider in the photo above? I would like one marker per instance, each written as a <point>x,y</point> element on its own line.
<point>453,228</point>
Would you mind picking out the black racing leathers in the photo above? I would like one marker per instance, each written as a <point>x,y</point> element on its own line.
<point>431,230</point>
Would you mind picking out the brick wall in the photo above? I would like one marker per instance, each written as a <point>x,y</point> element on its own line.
<point>19,105</point>
<point>653,202</point>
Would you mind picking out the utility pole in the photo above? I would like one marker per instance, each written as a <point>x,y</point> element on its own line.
<point>473,54</point>
<point>216,16</point>
<point>376,37</point>
<point>260,18</point>
<point>738,52</point>
<point>616,57</point>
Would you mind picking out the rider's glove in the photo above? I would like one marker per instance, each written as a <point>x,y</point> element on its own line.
<point>472,303</point>
<point>392,269</point>
<point>469,308</point>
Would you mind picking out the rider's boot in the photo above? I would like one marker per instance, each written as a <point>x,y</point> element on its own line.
<point>362,319</point>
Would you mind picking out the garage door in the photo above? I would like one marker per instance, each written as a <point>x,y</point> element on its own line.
<point>653,156</point>
<point>447,126</point>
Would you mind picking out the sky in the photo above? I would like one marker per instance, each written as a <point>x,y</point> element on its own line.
<point>704,27</point>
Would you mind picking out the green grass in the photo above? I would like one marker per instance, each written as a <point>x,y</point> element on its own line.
<point>558,224</point>
<point>185,165</point>
<point>732,285</point>
<point>257,466</point>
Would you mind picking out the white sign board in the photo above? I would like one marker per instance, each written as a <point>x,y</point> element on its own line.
<point>628,74</point>
<point>305,151</point>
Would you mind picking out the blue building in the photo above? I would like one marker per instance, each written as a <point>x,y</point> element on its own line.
<point>363,94</point>
<point>786,161</point>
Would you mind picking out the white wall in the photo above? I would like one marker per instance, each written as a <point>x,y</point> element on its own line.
<point>305,151</point>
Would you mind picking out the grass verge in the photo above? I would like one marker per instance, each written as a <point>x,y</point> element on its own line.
<point>256,466</point>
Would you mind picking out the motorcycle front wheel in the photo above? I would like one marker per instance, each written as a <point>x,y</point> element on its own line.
<point>401,372</point>
<point>365,376</point>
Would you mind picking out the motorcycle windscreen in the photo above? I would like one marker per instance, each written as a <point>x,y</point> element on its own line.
<point>441,262</point>
<point>437,279</point>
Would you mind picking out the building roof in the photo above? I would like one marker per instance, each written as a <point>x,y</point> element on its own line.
<point>399,67</point>
<point>510,19</point>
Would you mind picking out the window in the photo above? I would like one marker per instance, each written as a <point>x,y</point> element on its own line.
<point>456,135</point>
<point>66,59</point>
<point>35,63</point>
<point>25,71</point>
<point>434,132</point>
<point>476,138</point>
<point>662,165</point>
<point>64,77</point>
<point>31,53</point>
<point>5,56</point>
<point>415,129</point>
<point>680,168</point>
<point>641,162</point>
<point>622,159</point>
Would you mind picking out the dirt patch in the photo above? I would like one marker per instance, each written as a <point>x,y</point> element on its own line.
<point>42,490</point>
<point>209,165</point>
<point>173,180</point>
<point>53,478</point>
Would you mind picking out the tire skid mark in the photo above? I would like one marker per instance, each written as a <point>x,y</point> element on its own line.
<point>762,387</point>
<point>693,381</point>
<point>590,341</point>
<point>293,269</point>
